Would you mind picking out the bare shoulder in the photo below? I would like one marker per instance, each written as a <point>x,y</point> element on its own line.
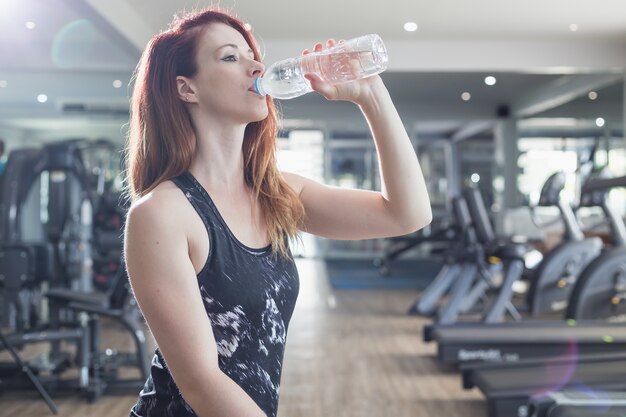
<point>295,181</point>
<point>165,206</point>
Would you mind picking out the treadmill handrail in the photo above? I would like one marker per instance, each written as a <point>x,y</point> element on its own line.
<point>469,369</point>
<point>539,360</point>
<point>498,333</point>
<point>602,184</point>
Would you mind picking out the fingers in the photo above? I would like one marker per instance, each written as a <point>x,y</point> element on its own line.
<point>319,46</point>
<point>320,86</point>
<point>331,42</point>
<point>313,78</point>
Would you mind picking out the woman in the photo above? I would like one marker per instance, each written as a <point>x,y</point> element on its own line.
<point>207,236</point>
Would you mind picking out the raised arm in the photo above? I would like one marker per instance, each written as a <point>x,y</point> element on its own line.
<point>165,286</point>
<point>401,207</point>
<point>403,185</point>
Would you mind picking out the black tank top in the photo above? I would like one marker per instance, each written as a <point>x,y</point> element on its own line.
<point>249,295</point>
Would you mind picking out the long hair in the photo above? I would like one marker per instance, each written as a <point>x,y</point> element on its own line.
<point>161,141</point>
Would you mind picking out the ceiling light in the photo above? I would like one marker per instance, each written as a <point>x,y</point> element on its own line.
<point>3,83</point>
<point>30,25</point>
<point>573,27</point>
<point>599,122</point>
<point>475,178</point>
<point>42,98</point>
<point>410,26</point>
<point>466,96</point>
<point>117,83</point>
<point>490,80</point>
<point>592,95</point>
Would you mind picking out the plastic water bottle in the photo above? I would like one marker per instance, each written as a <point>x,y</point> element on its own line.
<point>346,61</point>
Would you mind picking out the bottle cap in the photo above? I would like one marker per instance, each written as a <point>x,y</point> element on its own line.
<point>258,87</point>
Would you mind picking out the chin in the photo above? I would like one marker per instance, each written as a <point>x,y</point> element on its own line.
<point>260,115</point>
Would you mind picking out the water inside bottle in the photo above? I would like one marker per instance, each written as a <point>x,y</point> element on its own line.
<point>340,67</point>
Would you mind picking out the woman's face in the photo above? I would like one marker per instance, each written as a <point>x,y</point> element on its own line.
<point>227,69</point>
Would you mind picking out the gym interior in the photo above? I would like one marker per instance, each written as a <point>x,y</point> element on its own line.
<point>511,303</point>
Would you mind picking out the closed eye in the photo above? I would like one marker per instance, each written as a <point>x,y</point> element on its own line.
<point>231,58</point>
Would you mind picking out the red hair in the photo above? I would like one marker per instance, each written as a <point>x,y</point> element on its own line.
<point>161,141</point>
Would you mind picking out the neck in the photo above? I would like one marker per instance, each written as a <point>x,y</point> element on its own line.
<point>218,160</point>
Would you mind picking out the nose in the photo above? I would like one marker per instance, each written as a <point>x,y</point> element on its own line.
<point>257,68</point>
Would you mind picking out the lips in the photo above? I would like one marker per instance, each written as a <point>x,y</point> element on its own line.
<point>253,88</point>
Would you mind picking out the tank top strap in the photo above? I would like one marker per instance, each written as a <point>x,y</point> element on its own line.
<point>195,194</point>
<point>217,227</point>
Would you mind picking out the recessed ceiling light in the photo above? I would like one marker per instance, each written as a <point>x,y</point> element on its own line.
<point>30,25</point>
<point>42,98</point>
<point>410,26</point>
<point>490,80</point>
<point>599,122</point>
<point>475,178</point>
<point>3,83</point>
<point>592,95</point>
<point>117,83</point>
<point>573,27</point>
<point>466,96</point>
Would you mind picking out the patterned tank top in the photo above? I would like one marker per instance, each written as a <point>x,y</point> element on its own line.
<point>249,295</point>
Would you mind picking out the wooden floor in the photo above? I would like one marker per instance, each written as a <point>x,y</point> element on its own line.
<point>349,354</point>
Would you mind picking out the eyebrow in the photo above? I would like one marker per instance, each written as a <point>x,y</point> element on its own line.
<point>232,45</point>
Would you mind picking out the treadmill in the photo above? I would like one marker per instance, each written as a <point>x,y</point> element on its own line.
<point>521,341</point>
<point>509,387</point>
<point>466,342</point>
<point>582,366</point>
<point>576,404</point>
<point>550,294</point>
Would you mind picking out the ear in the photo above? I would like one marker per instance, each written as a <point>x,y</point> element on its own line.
<point>185,89</point>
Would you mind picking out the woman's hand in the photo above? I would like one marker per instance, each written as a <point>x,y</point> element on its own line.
<point>357,91</point>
